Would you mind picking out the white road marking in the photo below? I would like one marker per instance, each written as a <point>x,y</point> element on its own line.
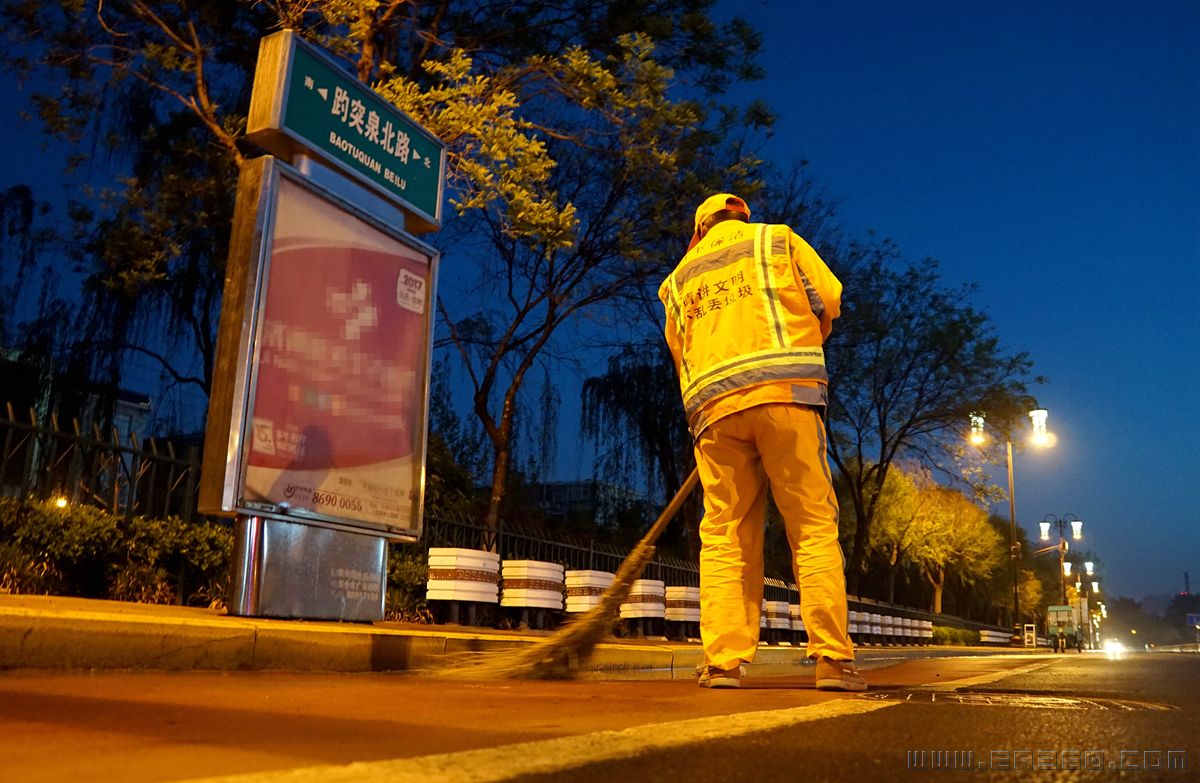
<point>990,677</point>
<point>488,765</point>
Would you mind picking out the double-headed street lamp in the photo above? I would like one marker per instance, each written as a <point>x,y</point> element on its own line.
<point>1040,437</point>
<point>1064,565</point>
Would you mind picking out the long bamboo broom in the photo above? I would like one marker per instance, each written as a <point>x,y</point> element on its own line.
<point>567,649</point>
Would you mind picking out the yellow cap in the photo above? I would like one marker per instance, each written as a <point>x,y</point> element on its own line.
<point>714,204</point>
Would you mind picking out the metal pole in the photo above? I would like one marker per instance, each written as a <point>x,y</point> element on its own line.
<point>1062,553</point>
<point>1015,548</point>
<point>1088,608</point>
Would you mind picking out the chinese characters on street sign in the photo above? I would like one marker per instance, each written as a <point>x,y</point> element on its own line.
<point>304,99</point>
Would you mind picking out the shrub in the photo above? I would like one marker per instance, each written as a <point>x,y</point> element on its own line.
<point>946,635</point>
<point>407,570</point>
<point>87,552</point>
<point>78,543</point>
<point>21,573</point>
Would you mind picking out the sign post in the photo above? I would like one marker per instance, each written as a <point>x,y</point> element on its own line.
<point>317,419</point>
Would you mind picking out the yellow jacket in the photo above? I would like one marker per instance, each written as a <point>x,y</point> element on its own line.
<point>748,309</point>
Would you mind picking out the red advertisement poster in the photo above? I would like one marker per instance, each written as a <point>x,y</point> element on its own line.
<point>337,411</point>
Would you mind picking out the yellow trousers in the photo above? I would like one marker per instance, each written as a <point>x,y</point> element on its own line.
<point>783,445</point>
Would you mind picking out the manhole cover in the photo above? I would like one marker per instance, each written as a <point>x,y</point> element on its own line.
<point>1040,701</point>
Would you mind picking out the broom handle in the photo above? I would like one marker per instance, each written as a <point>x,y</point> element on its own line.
<point>672,508</point>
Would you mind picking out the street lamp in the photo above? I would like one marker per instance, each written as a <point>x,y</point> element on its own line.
<point>1040,438</point>
<point>1064,565</point>
<point>1084,599</point>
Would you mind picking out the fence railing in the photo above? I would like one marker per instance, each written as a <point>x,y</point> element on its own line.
<point>518,542</point>
<point>42,458</point>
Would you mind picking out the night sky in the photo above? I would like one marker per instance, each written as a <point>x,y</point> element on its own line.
<point>1050,153</point>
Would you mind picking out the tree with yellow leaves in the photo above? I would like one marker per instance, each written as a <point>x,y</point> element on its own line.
<point>952,534</point>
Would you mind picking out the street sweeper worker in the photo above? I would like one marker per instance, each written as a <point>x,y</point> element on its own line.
<point>748,309</point>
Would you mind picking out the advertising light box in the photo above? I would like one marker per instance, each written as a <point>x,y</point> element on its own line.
<point>320,396</point>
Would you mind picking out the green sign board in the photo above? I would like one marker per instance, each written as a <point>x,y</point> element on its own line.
<point>1060,616</point>
<point>305,102</point>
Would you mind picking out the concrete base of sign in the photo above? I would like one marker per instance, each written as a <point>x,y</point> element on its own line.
<point>286,568</point>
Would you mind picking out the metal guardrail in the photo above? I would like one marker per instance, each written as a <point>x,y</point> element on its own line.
<point>43,459</point>
<point>1192,647</point>
<point>516,542</point>
<point>519,542</point>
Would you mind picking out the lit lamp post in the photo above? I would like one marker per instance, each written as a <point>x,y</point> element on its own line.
<point>1083,582</point>
<point>1040,437</point>
<point>1064,565</point>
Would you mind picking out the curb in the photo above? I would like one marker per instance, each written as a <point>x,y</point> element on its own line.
<point>50,632</point>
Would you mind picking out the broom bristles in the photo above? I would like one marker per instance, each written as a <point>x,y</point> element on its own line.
<point>569,648</point>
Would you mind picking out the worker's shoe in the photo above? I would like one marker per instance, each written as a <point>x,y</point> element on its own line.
<point>838,676</point>
<point>716,677</point>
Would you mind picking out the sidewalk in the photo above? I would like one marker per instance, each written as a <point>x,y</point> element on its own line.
<point>50,632</point>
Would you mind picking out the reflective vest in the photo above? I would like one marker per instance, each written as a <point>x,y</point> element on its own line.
<point>742,315</point>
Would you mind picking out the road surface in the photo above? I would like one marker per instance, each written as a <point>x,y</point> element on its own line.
<point>1067,717</point>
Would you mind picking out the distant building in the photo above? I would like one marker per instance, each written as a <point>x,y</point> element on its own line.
<point>131,413</point>
<point>597,500</point>
<point>27,394</point>
<point>26,387</point>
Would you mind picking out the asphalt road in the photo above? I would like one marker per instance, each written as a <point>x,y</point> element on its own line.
<point>999,717</point>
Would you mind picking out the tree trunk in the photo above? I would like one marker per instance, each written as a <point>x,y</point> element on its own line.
<point>862,527</point>
<point>891,588</point>
<point>492,521</point>
<point>938,580</point>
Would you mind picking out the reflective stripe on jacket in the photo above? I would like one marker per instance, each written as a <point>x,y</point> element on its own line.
<point>748,306</point>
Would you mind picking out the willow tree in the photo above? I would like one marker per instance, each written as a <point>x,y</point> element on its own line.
<point>632,413</point>
<point>154,93</point>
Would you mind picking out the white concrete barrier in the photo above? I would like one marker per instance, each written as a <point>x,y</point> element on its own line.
<point>531,584</point>
<point>584,588</point>
<point>794,616</point>
<point>777,616</point>
<point>682,604</point>
<point>462,575</point>
<point>647,599</point>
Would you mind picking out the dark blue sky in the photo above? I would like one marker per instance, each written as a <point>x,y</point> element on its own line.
<point>1050,152</point>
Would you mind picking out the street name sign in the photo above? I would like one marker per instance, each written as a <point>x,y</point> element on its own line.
<point>304,101</point>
